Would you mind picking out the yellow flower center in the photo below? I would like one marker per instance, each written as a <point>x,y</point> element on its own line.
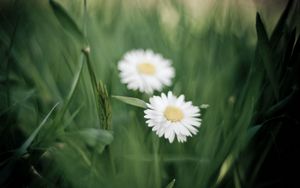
<point>173,114</point>
<point>146,68</point>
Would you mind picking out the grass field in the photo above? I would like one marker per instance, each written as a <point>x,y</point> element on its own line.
<point>61,127</point>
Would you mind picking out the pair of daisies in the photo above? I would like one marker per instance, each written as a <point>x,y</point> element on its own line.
<point>167,115</point>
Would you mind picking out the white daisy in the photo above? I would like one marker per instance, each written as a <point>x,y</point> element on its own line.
<point>145,71</point>
<point>171,116</point>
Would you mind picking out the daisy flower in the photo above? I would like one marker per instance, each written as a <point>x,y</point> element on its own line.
<point>145,71</point>
<point>171,116</point>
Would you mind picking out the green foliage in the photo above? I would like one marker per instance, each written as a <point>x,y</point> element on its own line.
<point>65,20</point>
<point>7,166</point>
<point>247,78</point>
<point>94,138</point>
<point>171,184</point>
<point>132,101</point>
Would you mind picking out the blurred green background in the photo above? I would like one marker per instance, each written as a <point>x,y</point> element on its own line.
<point>244,65</point>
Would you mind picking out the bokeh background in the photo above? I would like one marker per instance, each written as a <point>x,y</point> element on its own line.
<point>60,128</point>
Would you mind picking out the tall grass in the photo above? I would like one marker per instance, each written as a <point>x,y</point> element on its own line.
<point>67,54</point>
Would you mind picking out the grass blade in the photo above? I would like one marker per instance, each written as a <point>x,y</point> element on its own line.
<point>72,90</point>
<point>23,149</point>
<point>132,101</point>
<point>171,184</point>
<point>65,20</point>
<point>279,28</point>
<point>265,54</point>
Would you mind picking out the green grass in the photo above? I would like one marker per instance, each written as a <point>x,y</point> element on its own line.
<point>93,140</point>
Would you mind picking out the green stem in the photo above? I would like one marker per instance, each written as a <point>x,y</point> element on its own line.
<point>86,52</point>
<point>156,162</point>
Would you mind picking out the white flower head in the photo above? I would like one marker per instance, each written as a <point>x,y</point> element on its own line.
<point>145,71</point>
<point>170,116</point>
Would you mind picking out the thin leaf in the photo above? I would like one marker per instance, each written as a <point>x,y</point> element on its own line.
<point>65,20</point>
<point>289,47</point>
<point>56,125</point>
<point>261,31</point>
<point>23,149</point>
<point>72,90</point>
<point>226,166</point>
<point>275,108</point>
<point>72,117</point>
<point>10,164</point>
<point>265,54</point>
<point>295,56</point>
<point>171,184</point>
<point>27,95</point>
<point>253,130</point>
<point>132,101</point>
<point>281,24</point>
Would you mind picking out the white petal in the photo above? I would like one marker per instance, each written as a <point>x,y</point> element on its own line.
<point>171,137</point>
